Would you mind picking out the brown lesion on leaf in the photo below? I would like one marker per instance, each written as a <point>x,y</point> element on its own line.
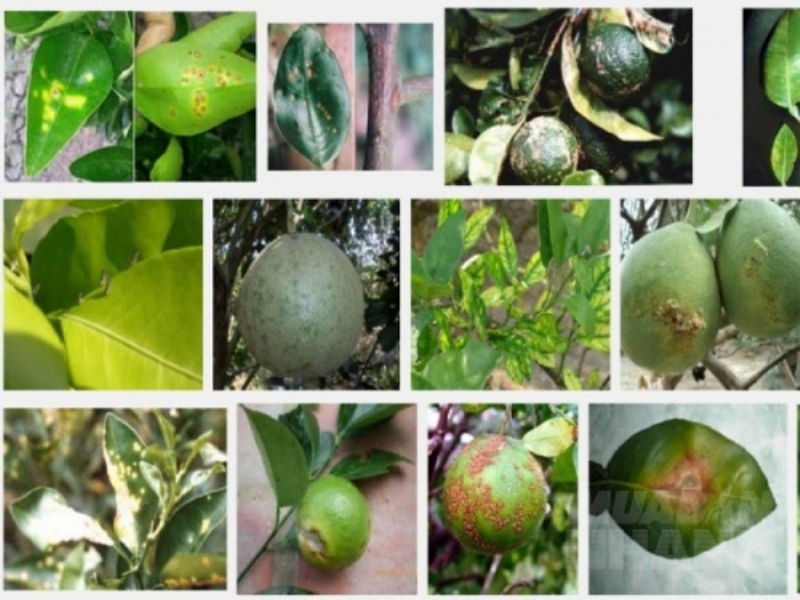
<point>686,487</point>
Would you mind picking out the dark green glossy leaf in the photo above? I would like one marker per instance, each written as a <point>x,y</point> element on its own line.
<point>465,369</point>
<point>463,122</point>
<point>34,353</point>
<point>591,107</point>
<point>30,23</point>
<point>282,457</point>
<point>71,75</point>
<point>114,163</point>
<point>445,248</point>
<point>784,153</point>
<point>558,229</point>
<point>545,244</point>
<point>44,517</point>
<point>550,438</point>
<point>476,225</point>
<point>680,488</point>
<point>189,526</point>
<point>364,417</point>
<point>136,503</point>
<point>457,148</point>
<point>489,154</point>
<point>782,63</point>
<point>377,462</point>
<point>312,105</point>
<point>507,251</point>
<point>187,571</point>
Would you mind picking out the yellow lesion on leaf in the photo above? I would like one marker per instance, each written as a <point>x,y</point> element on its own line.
<point>74,101</point>
<point>88,77</point>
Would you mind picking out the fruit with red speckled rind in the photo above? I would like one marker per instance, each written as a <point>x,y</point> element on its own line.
<point>494,496</point>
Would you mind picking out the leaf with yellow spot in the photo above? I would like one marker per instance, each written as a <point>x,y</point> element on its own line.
<point>71,75</point>
<point>137,504</point>
<point>310,98</point>
<point>186,571</point>
<point>44,517</point>
<point>189,527</point>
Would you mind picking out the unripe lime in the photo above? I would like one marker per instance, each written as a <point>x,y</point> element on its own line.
<point>494,496</point>
<point>333,523</point>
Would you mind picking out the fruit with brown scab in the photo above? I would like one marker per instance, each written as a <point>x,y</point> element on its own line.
<point>494,496</point>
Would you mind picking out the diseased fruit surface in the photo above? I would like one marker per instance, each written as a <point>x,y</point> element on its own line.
<point>614,62</point>
<point>758,262</point>
<point>494,496</point>
<point>333,523</point>
<point>543,151</point>
<point>597,149</point>
<point>671,307</point>
<point>301,306</point>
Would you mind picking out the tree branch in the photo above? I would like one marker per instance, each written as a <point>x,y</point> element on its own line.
<point>385,93</point>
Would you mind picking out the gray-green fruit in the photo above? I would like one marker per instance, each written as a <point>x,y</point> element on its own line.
<point>301,306</point>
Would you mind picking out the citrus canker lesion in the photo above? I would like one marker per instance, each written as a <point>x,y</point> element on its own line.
<point>494,496</point>
<point>543,151</point>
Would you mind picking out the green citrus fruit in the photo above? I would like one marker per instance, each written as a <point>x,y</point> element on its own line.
<point>333,523</point>
<point>671,307</point>
<point>543,151</point>
<point>597,149</point>
<point>758,262</point>
<point>301,306</point>
<point>494,496</point>
<point>614,63</point>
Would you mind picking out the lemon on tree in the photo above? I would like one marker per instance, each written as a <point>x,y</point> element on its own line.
<point>494,495</point>
<point>758,262</point>
<point>301,306</point>
<point>671,308</point>
<point>333,523</point>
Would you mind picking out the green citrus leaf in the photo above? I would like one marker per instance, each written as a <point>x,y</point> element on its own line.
<point>594,229</point>
<point>445,248</point>
<point>146,332</point>
<point>377,462</point>
<point>507,251</point>
<point>186,571</point>
<point>581,310</point>
<point>476,225</point>
<point>169,166</point>
<point>34,354</point>
<point>312,105</point>
<point>717,218</point>
<point>591,107</point>
<point>457,148</point>
<point>680,488</point>
<point>30,23</point>
<point>784,153</point>
<point>282,456</point>
<point>44,517</point>
<point>565,466</point>
<point>355,419</point>
<point>193,479</point>
<point>224,33</point>
<point>186,88</point>
<point>590,177</point>
<point>551,438</point>
<point>137,505</point>
<point>476,78</point>
<point>489,154</point>
<point>71,75</point>
<point>463,123</point>
<point>114,163</point>
<point>189,526</point>
<point>465,369</point>
<point>782,63</point>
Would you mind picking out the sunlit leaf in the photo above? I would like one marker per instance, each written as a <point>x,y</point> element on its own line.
<point>572,381</point>
<point>565,468</point>
<point>475,78</point>
<point>457,148</point>
<point>551,437</point>
<point>312,104</point>
<point>137,504</point>
<point>46,520</point>
<point>591,107</point>
<point>784,153</point>
<point>445,248</point>
<point>782,63</point>
<point>489,154</point>
<point>71,75</point>
<point>507,250</point>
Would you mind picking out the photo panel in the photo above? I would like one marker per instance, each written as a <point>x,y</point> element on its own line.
<point>103,295</point>
<point>327,499</point>
<point>503,505</point>
<point>195,96</point>
<point>307,294</point>
<point>69,84</point>
<point>510,294</point>
<point>578,96</point>
<point>688,499</point>
<point>115,499</point>
<point>710,294</point>
<point>347,96</point>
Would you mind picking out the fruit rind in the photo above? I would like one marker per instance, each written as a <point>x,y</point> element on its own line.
<point>494,496</point>
<point>333,523</point>
<point>301,306</point>
<point>758,264</point>
<point>671,307</point>
<point>543,151</point>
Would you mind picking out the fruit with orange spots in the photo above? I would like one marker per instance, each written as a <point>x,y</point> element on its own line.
<point>494,496</point>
